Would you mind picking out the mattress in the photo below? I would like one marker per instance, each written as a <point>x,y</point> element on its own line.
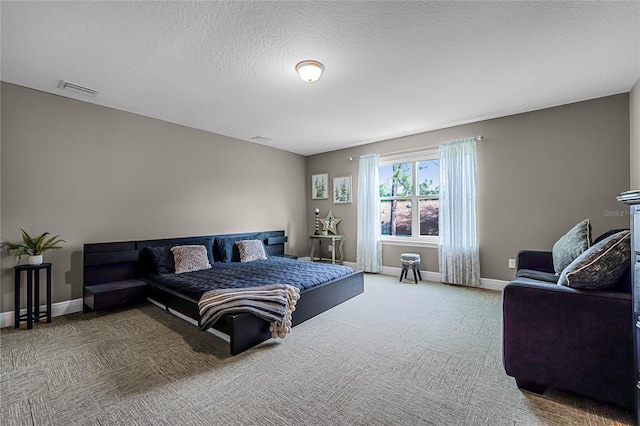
<point>274,270</point>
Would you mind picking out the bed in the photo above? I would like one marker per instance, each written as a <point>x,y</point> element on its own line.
<point>321,286</point>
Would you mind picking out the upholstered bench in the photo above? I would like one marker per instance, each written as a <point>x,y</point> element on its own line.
<point>410,261</point>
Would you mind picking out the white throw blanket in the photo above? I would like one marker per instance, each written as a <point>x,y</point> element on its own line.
<point>274,303</point>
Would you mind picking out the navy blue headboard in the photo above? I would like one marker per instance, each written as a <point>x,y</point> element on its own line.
<point>118,261</point>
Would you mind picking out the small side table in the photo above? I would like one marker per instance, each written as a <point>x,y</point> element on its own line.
<point>333,239</point>
<point>33,292</point>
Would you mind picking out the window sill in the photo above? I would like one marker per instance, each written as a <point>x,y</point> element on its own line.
<point>409,243</point>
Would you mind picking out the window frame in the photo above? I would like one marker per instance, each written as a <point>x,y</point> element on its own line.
<point>415,240</point>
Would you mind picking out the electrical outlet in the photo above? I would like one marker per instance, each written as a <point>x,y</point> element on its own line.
<point>512,264</point>
<point>330,247</point>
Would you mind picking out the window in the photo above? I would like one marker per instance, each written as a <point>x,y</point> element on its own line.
<point>409,193</point>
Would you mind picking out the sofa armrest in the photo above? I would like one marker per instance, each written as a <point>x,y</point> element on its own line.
<point>569,339</point>
<point>535,260</point>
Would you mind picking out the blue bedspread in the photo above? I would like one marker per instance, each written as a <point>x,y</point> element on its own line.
<point>275,270</point>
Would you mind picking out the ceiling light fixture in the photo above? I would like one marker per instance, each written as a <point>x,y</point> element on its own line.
<point>261,139</point>
<point>78,89</point>
<point>310,71</point>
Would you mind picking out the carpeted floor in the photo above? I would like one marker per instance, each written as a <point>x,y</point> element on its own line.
<point>399,354</point>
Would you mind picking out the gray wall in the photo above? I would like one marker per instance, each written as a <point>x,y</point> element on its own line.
<point>96,174</point>
<point>634,115</point>
<point>539,173</point>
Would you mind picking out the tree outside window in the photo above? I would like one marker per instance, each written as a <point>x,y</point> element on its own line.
<point>405,185</point>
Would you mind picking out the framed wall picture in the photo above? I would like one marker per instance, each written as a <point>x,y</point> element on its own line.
<point>342,190</point>
<point>320,186</point>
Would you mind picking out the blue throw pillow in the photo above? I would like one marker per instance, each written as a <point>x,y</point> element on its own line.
<point>163,259</point>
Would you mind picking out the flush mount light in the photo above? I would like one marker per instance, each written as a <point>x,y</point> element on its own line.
<point>261,139</point>
<point>309,71</point>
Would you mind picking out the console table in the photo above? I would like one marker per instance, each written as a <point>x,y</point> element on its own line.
<point>333,239</point>
<point>33,292</point>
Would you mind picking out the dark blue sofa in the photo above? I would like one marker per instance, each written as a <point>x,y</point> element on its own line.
<point>573,340</point>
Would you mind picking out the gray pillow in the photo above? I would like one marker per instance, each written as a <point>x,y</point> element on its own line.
<point>571,245</point>
<point>251,250</point>
<point>601,266</point>
<point>190,258</point>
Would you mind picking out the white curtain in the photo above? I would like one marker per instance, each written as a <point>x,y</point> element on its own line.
<point>369,245</point>
<point>458,247</point>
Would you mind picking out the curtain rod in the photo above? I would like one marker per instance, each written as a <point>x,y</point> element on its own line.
<point>478,138</point>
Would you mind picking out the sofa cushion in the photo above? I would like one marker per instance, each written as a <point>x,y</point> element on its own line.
<point>608,234</point>
<point>571,245</point>
<point>548,277</point>
<point>601,266</point>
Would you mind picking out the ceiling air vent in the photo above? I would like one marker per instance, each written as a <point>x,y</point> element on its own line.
<point>260,139</point>
<point>76,88</point>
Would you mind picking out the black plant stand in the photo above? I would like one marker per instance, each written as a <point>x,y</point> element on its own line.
<point>33,292</point>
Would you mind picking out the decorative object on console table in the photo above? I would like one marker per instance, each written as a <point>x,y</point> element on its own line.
<point>333,238</point>
<point>316,213</point>
<point>330,223</point>
<point>33,294</point>
<point>632,198</point>
<point>319,186</point>
<point>342,190</point>
<point>34,247</point>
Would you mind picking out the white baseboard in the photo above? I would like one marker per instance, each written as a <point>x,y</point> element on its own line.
<point>485,283</point>
<point>426,275</point>
<point>345,263</point>
<point>57,309</point>
<point>491,284</point>
<point>75,305</point>
<point>351,264</point>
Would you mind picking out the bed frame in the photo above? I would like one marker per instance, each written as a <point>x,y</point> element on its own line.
<point>121,261</point>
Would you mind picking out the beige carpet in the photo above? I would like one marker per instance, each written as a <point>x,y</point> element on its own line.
<point>399,354</point>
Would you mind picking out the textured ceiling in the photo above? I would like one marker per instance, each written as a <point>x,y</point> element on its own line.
<point>391,68</point>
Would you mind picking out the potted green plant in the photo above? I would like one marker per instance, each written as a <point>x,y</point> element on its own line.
<point>33,247</point>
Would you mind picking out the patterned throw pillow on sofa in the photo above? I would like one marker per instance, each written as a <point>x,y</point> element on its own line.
<point>571,245</point>
<point>601,266</point>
